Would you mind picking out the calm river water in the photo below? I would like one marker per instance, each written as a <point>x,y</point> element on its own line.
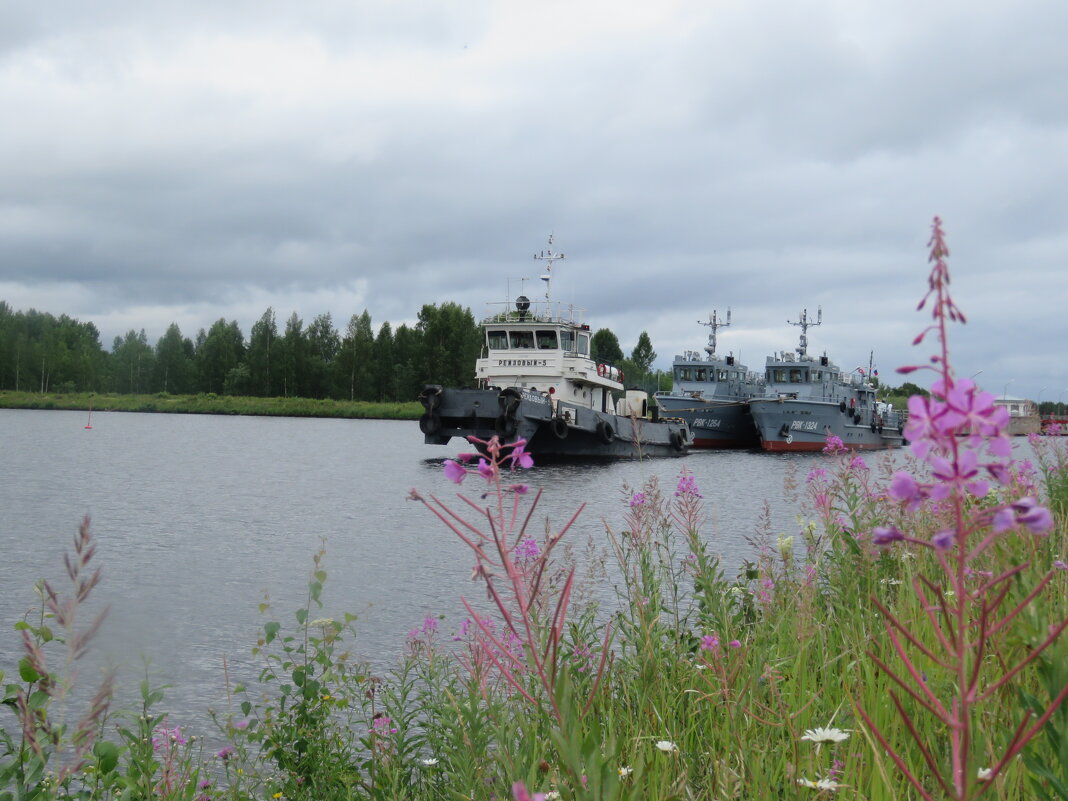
<point>196,517</point>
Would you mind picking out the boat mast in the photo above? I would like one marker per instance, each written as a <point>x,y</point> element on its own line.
<point>714,324</point>
<point>802,350</point>
<point>548,257</point>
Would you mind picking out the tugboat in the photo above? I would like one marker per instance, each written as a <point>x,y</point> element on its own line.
<point>808,399</point>
<point>537,381</point>
<point>712,395</point>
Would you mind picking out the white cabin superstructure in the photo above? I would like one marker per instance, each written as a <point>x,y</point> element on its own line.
<point>544,347</point>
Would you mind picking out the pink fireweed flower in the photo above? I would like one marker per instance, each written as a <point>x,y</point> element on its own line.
<point>963,473</point>
<point>834,445</point>
<point>687,486</point>
<point>454,471</point>
<point>520,489</point>
<point>816,473</point>
<point>944,539</point>
<point>163,736</point>
<point>637,499</point>
<point>1037,518</point>
<point>884,535</point>
<point>710,643</point>
<point>382,725</point>
<point>735,644</point>
<point>857,463</point>
<point>526,551</point>
<point>520,793</point>
<point>520,457</point>
<point>486,469</point>
<point>903,487</point>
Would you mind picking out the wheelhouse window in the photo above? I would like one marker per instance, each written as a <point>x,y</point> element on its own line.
<point>721,375</point>
<point>699,374</point>
<point>684,374</point>
<point>522,340</point>
<point>567,341</point>
<point>584,344</point>
<point>497,340</point>
<point>778,376</point>
<point>797,376</point>
<point>546,340</point>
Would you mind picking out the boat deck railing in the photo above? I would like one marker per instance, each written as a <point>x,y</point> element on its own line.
<point>539,311</point>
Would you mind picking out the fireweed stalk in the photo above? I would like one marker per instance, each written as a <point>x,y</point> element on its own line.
<point>962,437</point>
<point>515,569</point>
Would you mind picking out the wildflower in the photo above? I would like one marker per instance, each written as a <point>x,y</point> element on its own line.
<point>486,470</point>
<point>637,499</point>
<point>667,746</point>
<point>734,644</point>
<point>858,463</point>
<point>944,539</point>
<point>454,471</point>
<point>381,725</point>
<point>429,762</point>
<point>321,622</point>
<point>1035,517</point>
<point>520,489</point>
<point>276,795</point>
<point>687,486</point>
<point>884,535</point>
<point>834,445</point>
<point>204,784</point>
<point>519,455</point>
<point>816,473</point>
<point>624,771</point>
<point>822,735</point>
<point>241,725</point>
<point>821,784</point>
<point>985,774</point>
<point>710,643</point>
<point>225,753</point>
<point>526,551</point>
<point>1060,564</point>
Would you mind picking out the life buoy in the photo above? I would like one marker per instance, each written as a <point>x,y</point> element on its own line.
<point>605,432</point>
<point>558,426</point>
<point>789,439</point>
<point>601,370</point>
<point>430,424</point>
<point>676,440</point>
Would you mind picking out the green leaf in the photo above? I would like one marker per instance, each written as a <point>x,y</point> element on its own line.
<point>302,615</point>
<point>246,707</point>
<point>26,671</point>
<point>107,756</point>
<point>270,630</point>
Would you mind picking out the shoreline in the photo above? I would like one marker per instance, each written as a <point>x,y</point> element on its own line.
<point>209,403</point>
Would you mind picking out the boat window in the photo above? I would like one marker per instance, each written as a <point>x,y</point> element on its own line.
<point>567,341</point>
<point>497,340</point>
<point>778,376</point>
<point>699,374</point>
<point>584,344</point>
<point>795,376</point>
<point>546,340</point>
<point>684,374</point>
<point>522,339</point>
<point>721,375</point>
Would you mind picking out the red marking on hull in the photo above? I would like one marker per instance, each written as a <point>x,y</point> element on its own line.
<point>715,444</point>
<point>778,446</point>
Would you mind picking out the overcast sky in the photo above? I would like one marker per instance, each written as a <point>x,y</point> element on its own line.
<point>185,161</point>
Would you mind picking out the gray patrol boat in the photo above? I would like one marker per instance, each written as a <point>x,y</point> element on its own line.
<point>809,398</point>
<point>712,393</point>
<point>537,381</point>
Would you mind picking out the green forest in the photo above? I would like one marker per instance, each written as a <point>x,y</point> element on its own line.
<point>42,353</point>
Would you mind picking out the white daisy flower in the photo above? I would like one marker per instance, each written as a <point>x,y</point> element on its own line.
<point>430,762</point>
<point>821,784</point>
<point>822,735</point>
<point>624,772</point>
<point>666,746</point>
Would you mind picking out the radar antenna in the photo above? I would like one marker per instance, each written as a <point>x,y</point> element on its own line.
<point>802,349</point>
<point>548,257</point>
<point>714,324</point>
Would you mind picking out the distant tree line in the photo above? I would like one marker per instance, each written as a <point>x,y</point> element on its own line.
<point>43,353</point>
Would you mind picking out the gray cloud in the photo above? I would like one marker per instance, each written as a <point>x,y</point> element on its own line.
<point>185,162</point>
